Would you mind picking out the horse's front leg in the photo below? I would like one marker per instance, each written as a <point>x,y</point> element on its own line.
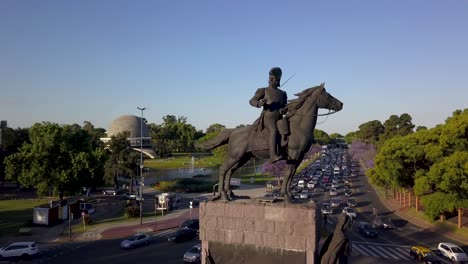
<point>227,186</point>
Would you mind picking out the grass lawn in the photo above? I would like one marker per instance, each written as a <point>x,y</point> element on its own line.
<point>180,161</point>
<point>259,179</point>
<point>15,214</point>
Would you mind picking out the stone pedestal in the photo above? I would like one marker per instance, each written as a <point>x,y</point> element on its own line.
<point>247,231</point>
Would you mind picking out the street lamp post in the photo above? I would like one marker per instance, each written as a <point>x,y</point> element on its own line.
<point>141,164</point>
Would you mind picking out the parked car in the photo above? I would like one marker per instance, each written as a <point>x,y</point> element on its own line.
<point>424,254</point>
<point>135,241</point>
<point>351,202</point>
<point>193,255</point>
<point>350,212</point>
<point>20,249</point>
<point>182,234</point>
<point>367,230</point>
<point>191,223</point>
<point>383,222</point>
<point>333,192</point>
<point>453,252</point>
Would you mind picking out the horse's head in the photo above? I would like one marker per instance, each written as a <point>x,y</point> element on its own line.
<point>313,98</point>
<point>326,100</point>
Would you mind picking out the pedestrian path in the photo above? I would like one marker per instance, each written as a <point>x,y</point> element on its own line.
<point>387,251</point>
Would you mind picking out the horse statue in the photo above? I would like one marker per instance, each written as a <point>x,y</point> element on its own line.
<point>247,142</point>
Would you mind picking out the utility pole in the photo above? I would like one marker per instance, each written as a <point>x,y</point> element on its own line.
<point>141,164</point>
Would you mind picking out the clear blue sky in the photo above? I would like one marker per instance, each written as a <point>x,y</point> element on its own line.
<point>73,61</point>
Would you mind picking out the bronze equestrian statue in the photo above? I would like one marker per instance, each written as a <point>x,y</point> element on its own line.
<point>247,142</point>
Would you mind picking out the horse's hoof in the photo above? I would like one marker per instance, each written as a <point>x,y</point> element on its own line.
<point>287,200</point>
<point>225,196</point>
<point>231,195</point>
<point>216,197</point>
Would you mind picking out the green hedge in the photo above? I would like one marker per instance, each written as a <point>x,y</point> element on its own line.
<point>186,185</point>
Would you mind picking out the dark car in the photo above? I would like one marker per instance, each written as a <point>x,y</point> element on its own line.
<point>182,234</point>
<point>424,254</point>
<point>351,202</point>
<point>367,230</point>
<point>383,222</point>
<point>191,223</point>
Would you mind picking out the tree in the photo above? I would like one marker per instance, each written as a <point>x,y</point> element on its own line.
<point>215,128</point>
<point>120,160</point>
<point>56,159</point>
<point>321,137</point>
<point>275,169</point>
<point>396,126</point>
<point>13,139</point>
<point>370,131</point>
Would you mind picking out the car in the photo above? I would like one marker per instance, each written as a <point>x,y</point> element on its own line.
<point>383,222</point>
<point>350,212</point>
<point>311,185</point>
<point>348,192</point>
<point>191,223</point>
<point>452,252</point>
<point>182,234</point>
<point>135,241</point>
<point>193,255</point>
<point>367,230</point>
<point>304,194</point>
<point>111,192</point>
<point>335,202</point>
<point>351,202</point>
<point>335,185</point>
<point>20,249</point>
<point>423,254</point>
<point>326,209</point>
<point>130,196</point>
<point>333,192</point>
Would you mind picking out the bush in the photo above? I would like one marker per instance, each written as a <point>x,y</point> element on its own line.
<point>132,211</point>
<point>186,185</point>
<point>87,219</point>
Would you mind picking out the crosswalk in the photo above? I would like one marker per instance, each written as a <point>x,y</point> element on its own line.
<point>387,251</point>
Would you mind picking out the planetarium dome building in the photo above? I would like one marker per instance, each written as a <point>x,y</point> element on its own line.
<point>139,137</point>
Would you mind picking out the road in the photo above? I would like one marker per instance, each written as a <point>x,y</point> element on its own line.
<point>109,251</point>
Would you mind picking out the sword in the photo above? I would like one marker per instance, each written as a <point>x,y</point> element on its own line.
<point>287,80</point>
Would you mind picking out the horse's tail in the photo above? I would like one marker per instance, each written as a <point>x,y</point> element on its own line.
<point>219,140</point>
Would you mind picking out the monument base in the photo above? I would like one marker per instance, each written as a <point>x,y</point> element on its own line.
<point>246,231</point>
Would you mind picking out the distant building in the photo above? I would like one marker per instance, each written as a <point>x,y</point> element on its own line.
<point>132,124</point>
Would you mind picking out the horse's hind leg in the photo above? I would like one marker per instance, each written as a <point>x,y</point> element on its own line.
<point>234,167</point>
<point>224,170</point>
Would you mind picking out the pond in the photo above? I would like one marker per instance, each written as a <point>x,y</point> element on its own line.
<point>154,176</point>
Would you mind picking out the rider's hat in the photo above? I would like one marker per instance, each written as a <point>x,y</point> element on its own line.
<point>276,71</point>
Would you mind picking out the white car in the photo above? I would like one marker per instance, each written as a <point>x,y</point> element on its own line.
<point>20,249</point>
<point>350,212</point>
<point>452,251</point>
<point>333,192</point>
<point>193,255</point>
<point>135,241</point>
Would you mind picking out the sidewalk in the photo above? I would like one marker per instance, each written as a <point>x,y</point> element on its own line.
<point>119,229</point>
<point>396,207</point>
